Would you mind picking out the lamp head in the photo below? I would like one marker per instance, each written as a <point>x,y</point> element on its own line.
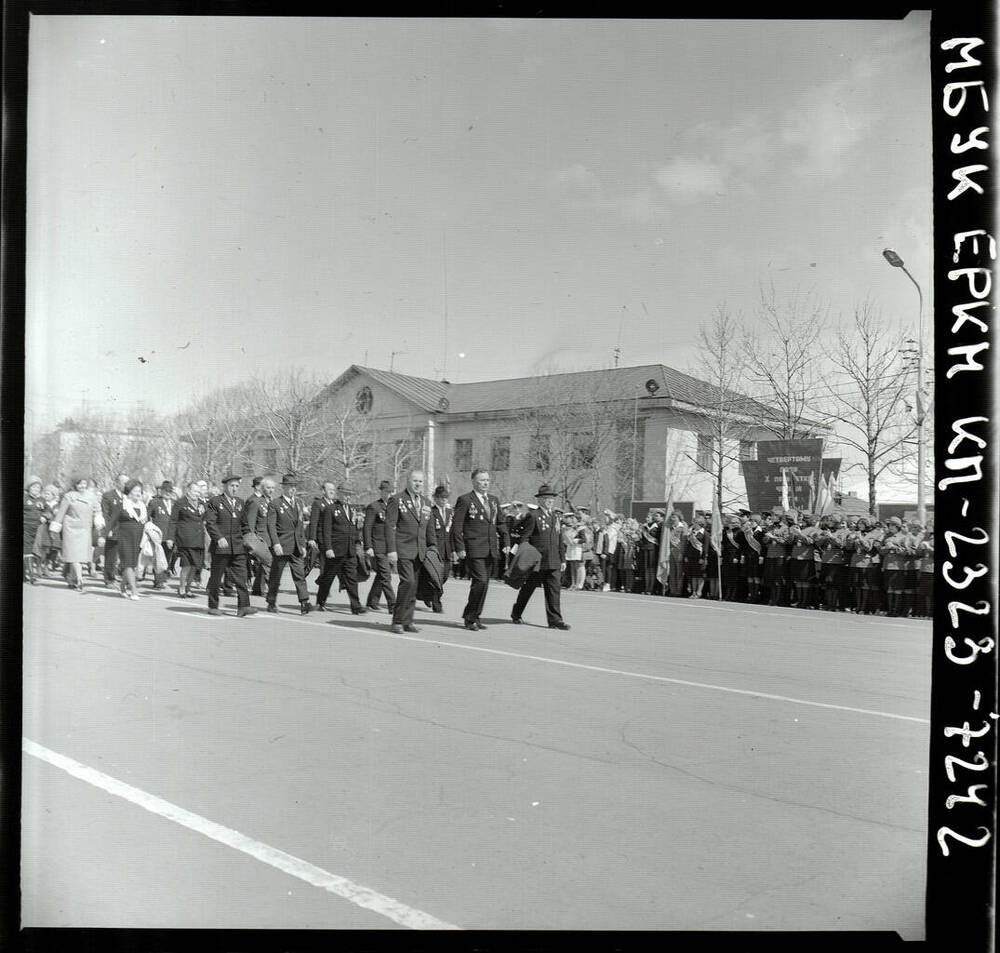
<point>891,257</point>
<point>652,387</point>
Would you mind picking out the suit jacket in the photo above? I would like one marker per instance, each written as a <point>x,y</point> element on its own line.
<point>187,524</point>
<point>109,500</point>
<point>541,529</point>
<point>374,528</point>
<point>224,520</point>
<point>255,515</point>
<point>442,530</point>
<point>161,514</point>
<point>286,525</point>
<point>527,561</point>
<point>409,529</point>
<point>316,511</point>
<point>476,530</point>
<point>336,529</point>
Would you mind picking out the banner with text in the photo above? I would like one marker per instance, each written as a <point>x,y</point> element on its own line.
<point>787,473</point>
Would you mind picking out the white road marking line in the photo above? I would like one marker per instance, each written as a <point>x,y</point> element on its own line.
<point>287,617</point>
<point>354,893</point>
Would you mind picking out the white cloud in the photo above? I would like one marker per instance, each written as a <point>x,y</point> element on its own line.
<point>686,179</point>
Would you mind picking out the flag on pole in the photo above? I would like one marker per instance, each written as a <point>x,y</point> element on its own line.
<point>717,538</point>
<point>824,499</point>
<point>784,489</point>
<point>663,559</point>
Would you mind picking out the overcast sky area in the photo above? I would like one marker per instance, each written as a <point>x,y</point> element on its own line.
<point>322,192</point>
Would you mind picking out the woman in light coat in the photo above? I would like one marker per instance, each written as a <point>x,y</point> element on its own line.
<point>74,521</point>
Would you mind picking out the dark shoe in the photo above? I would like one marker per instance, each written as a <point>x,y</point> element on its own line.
<point>358,610</point>
<point>517,621</point>
<point>472,626</point>
<point>372,608</point>
<point>246,610</point>
<point>215,612</point>
<point>559,625</point>
<point>395,627</point>
<point>436,607</point>
<point>305,608</point>
<point>271,607</point>
<point>320,607</point>
<point>410,628</point>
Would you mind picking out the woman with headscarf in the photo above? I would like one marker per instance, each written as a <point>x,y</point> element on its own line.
<point>34,520</point>
<point>127,520</point>
<point>74,521</point>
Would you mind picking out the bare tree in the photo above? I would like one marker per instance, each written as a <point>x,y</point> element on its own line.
<point>865,398</point>
<point>220,430</point>
<point>785,358</point>
<point>580,443</point>
<point>728,416</point>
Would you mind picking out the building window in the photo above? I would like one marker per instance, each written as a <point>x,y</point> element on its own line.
<point>463,455</point>
<point>271,459</point>
<point>538,452</point>
<point>363,400</point>
<point>582,455</point>
<point>748,450</point>
<point>705,456</point>
<point>500,455</point>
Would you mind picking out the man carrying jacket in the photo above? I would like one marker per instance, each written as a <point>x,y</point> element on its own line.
<point>541,529</point>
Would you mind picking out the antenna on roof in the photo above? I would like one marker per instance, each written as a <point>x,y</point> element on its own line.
<point>621,325</point>
<point>444,265</point>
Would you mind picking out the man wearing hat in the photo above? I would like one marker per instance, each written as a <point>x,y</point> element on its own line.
<point>479,536</point>
<point>337,538</point>
<point>286,536</point>
<point>441,516</point>
<point>160,512</point>
<point>409,534</point>
<point>255,533</point>
<point>373,534</point>
<point>224,524</point>
<point>541,529</point>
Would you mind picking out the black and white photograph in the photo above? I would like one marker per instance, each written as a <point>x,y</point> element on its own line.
<point>515,441</point>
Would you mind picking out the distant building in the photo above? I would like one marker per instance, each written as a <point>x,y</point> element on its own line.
<point>601,437</point>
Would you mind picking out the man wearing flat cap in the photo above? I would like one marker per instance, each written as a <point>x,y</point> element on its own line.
<point>373,534</point>
<point>337,538</point>
<point>479,536</point>
<point>160,512</point>
<point>286,536</point>
<point>541,529</point>
<point>224,524</point>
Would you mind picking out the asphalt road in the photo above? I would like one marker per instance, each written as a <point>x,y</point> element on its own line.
<point>665,765</point>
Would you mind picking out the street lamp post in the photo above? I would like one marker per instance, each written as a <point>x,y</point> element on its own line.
<point>897,262</point>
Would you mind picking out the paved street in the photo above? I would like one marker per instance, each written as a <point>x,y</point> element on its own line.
<point>665,765</point>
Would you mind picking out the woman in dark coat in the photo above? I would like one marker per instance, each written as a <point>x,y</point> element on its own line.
<point>187,528</point>
<point>126,521</point>
<point>34,519</point>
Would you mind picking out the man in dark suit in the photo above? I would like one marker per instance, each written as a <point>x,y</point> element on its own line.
<point>373,535</point>
<point>541,529</point>
<point>319,505</point>
<point>286,536</point>
<point>110,501</point>
<point>224,523</point>
<point>338,542</point>
<point>255,534</point>
<point>479,536</point>
<point>441,516</point>
<point>160,512</point>
<point>409,533</point>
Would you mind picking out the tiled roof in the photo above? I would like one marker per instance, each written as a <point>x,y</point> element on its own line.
<point>621,383</point>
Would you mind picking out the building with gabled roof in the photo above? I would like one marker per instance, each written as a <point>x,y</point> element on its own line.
<point>601,437</point>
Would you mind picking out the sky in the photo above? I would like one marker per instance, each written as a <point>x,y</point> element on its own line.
<point>459,199</point>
